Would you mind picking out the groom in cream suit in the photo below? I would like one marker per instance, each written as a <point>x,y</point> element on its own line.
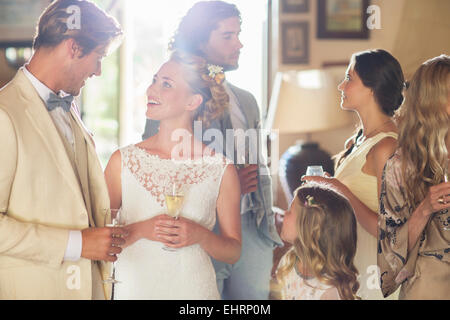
<point>53,196</point>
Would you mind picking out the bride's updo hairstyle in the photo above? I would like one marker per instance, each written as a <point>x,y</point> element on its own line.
<point>206,80</point>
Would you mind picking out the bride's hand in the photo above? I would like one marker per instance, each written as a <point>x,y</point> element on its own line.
<point>141,230</point>
<point>178,233</point>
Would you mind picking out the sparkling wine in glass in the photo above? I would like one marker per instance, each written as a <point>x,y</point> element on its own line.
<point>174,203</point>
<point>241,154</point>
<point>314,171</point>
<point>114,218</point>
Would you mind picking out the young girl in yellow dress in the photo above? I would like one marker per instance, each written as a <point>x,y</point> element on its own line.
<point>321,225</point>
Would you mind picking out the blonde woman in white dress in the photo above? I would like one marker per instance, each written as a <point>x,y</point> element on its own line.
<point>372,88</point>
<point>183,90</point>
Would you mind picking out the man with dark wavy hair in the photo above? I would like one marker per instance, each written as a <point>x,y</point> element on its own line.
<point>211,29</point>
<point>53,196</point>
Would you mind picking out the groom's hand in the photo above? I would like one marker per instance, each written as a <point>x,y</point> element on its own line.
<point>248,178</point>
<point>102,243</point>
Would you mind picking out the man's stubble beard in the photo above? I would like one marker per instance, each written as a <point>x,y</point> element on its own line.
<point>230,67</point>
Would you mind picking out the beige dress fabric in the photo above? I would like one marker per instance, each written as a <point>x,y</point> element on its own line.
<point>364,187</point>
<point>424,271</point>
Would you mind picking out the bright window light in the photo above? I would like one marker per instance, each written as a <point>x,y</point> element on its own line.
<point>149,26</point>
<point>153,25</point>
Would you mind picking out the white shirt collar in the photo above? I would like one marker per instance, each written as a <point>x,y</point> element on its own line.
<point>42,89</point>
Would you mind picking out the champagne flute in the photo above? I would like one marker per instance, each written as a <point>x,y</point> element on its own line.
<point>241,154</point>
<point>446,171</point>
<point>447,168</point>
<point>314,171</point>
<point>243,164</point>
<point>114,218</point>
<point>442,199</point>
<point>174,203</point>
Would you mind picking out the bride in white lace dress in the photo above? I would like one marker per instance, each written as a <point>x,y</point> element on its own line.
<point>183,90</point>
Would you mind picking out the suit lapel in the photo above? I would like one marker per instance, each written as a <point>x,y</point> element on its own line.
<point>225,123</point>
<point>81,163</point>
<point>93,180</point>
<point>41,121</point>
<point>93,184</point>
<point>241,104</point>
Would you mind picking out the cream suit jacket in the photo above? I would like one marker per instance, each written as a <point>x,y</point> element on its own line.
<point>41,200</point>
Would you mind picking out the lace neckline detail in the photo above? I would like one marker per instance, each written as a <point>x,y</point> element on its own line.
<point>155,174</point>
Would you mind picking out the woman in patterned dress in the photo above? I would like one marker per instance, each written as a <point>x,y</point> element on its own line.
<point>414,231</point>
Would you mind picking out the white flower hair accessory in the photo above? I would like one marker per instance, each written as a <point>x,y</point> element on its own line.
<point>310,202</point>
<point>216,73</point>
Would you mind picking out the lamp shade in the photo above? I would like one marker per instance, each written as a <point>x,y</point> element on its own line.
<point>306,102</point>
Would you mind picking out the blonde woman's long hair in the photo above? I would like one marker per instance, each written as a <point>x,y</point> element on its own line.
<point>423,128</point>
<point>326,239</point>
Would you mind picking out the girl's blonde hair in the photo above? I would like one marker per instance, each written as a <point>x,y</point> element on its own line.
<point>196,74</point>
<point>326,239</point>
<point>423,128</point>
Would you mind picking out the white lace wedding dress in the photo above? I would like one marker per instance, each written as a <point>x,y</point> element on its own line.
<point>144,269</point>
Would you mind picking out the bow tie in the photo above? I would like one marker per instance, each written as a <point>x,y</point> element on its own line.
<point>55,101</point>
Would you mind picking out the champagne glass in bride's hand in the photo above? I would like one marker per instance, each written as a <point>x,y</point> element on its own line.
<point>174,203</point>
<point>114,218</point>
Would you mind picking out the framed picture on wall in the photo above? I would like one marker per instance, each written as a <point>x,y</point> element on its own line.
<point>342,19</point>
<point>295,42</point>
<point>294,6</point>
<point>18,19</point>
